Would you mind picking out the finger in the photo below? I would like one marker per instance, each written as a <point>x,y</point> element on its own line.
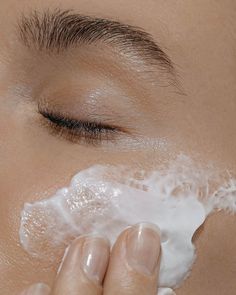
<point>84,267</point>
<point>37,289</point>
<point>134,263</point>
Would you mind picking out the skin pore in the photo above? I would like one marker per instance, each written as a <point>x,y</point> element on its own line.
<point>155,114</point>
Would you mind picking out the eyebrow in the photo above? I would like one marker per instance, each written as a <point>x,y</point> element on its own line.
<point>57,31</point>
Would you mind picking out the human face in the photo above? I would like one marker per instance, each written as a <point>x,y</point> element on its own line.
<point>148,114</point>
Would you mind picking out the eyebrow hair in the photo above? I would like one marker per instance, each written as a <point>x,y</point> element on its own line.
<point>58,30</point>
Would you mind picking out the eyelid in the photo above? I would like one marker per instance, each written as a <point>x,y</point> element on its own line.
<point>75,130</point>
<point>71,123</point>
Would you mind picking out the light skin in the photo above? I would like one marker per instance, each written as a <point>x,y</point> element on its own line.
<point>89,268</point>
<point>157,114</point>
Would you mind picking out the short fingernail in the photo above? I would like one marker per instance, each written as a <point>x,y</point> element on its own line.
<point>95,257</point>
<point>143,247</point>
<point>37,289</point>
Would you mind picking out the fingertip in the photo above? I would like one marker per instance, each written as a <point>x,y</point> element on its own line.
<point>143,248</point>
<point>134,264</point>
<point>96,253</point>
<point>84,265</point>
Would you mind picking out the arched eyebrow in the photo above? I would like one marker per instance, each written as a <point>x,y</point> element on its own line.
<point>57,31</point>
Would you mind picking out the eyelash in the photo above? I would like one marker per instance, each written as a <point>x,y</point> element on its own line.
<point>92,133</point>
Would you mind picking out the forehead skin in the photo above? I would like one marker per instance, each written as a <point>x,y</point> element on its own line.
<point>199,36</point>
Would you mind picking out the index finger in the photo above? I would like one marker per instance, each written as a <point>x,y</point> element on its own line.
<point>134,263</point>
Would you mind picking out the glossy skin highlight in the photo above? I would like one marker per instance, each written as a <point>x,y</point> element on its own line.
<point>199,38</point>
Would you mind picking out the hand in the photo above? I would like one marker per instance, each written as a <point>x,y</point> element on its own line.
<point>132,268</point>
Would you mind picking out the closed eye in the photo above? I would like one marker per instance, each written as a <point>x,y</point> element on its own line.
<point>75,130</point>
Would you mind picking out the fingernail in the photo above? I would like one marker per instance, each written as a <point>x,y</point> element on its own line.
<point>143,247</point>
<point>95,257</point>
<point>37,289</point>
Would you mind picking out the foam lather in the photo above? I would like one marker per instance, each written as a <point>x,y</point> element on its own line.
<point>106,199</point>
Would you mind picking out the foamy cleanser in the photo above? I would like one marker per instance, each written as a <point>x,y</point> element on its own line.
<point>107,199</point>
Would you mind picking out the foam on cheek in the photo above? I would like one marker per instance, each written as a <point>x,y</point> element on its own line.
<point>105,200</point>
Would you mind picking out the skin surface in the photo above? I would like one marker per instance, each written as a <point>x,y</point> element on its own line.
<point>199,38</point>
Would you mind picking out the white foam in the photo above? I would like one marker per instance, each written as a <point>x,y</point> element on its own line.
<point>106,199</point>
